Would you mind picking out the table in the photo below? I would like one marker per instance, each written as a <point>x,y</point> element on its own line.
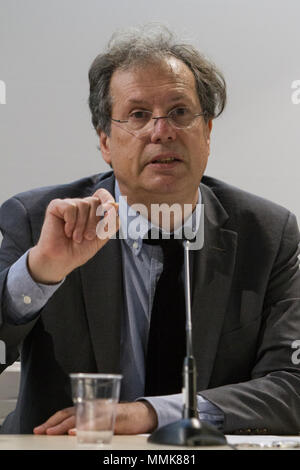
<point>137,442</point>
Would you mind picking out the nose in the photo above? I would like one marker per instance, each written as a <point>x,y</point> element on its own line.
<point>162,131</point>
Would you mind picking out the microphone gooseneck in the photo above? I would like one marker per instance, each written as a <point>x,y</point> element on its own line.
<point>189,364</point>
<point>188,431</point>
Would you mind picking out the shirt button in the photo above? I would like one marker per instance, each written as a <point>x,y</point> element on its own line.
<point>135,245</point>
<point>27,299</point>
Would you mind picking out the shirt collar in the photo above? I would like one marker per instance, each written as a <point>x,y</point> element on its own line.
<point>127,215</point>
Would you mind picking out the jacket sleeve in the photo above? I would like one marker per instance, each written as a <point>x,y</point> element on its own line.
<point>17,239</point>
<point>269,403</point>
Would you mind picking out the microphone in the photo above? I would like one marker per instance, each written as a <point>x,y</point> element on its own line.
<point>188,431</point>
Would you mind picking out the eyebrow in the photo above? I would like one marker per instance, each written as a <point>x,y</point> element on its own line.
<point>141,101</point>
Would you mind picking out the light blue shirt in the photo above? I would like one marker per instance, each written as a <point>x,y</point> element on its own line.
<point>142,267</point>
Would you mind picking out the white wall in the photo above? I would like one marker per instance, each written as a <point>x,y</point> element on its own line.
<point>46,48</point>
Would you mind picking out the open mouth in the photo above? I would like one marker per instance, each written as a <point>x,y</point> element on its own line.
<point>164,160</point>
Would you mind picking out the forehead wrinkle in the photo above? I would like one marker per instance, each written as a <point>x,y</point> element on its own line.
<point>171,96</point>
<point>141,102</point>
<point>171,75</point>
<point>179,97</point>
<point>170,69</point>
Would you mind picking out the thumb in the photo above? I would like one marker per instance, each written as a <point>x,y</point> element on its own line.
<point>72,432</point>
<point>109,224</point>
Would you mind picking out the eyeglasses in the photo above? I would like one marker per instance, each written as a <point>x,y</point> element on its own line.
<point>178,118</point>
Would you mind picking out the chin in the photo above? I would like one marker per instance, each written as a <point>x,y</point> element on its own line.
<point>165,189</point>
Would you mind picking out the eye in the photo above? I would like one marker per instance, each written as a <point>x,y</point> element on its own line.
<point>178,112</point>
<point>139,115</point>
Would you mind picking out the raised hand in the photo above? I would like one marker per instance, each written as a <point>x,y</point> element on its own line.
<point>68,238</point>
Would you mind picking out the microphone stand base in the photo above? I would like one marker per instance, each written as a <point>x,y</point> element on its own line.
<point>188,432</point>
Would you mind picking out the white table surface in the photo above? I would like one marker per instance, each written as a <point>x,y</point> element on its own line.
<point>138,442</point>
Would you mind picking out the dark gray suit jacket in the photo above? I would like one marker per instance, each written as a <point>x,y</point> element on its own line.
<point>245,311</point>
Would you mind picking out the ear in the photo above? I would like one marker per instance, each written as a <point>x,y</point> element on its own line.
<point>208,131</point>
<point>105,147</point>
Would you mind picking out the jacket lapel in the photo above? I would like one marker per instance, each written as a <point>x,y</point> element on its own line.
<point>212,271</point>
<point>102,289</point>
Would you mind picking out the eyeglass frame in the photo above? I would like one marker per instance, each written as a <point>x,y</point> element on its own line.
<point>121,121</point>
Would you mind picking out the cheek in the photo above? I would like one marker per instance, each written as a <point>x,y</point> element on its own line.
<point>200,148</point>
<point>128,151</point>
<point>125,159</point>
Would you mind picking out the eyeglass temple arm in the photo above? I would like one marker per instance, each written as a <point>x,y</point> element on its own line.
<point>118,120</point>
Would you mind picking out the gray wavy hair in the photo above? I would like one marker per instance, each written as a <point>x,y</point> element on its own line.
<point>141,46</point>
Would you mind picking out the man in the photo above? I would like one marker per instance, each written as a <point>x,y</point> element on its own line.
<point>73,302</point>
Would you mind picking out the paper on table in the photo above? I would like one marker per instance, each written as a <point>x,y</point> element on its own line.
<point>261,440</point>
<point>265,441</point>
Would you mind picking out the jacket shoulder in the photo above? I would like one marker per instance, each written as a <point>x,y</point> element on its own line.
<point>35,201</point>
<point>242,205</point>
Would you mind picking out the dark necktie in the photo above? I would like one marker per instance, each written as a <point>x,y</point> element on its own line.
<point>166,342</point>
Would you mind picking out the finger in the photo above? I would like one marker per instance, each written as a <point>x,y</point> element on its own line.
<point>72,432</point>
<point>83,211</point>
<point>90,228</point>
<point>107,202</point>
<point>62,428</point>
<point>87,216</point>
<point>65,209</point>
<point>103,209</point>
<point>70,217</point>
<point>104,196</point>
<point>109,225</point>
<point>54,420</point>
